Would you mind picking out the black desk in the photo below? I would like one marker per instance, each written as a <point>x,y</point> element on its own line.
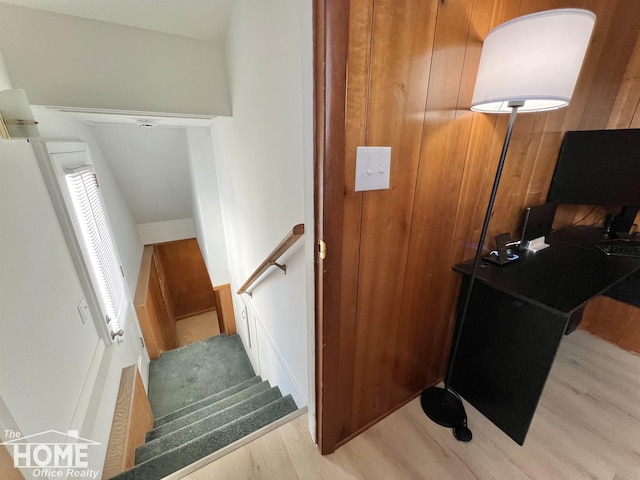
<point>516,319</point>
<point>627,291</point>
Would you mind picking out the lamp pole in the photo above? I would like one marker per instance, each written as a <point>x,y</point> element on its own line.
<point>442,405</point>
<point>483,235</point>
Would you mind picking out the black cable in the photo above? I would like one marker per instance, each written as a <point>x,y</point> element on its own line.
<point>586,216</point>
<point>598,220</point>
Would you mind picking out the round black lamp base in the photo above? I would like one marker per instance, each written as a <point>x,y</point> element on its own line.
<point>443,407</point>
<point>446,409</point>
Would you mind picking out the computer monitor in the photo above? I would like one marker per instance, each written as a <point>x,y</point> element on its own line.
<point>600,167</point>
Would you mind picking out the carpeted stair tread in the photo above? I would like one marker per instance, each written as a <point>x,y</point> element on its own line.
<point>177,458</point>
<point>207,411</point>
<point>207,424</point>
<point>207,401</point>
<point>189,374</point>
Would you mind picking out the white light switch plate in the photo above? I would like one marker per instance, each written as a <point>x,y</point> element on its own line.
<point>372,168</point>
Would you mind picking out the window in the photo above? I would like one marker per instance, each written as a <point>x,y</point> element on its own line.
<point>98,242</point>
<point>91,242</point>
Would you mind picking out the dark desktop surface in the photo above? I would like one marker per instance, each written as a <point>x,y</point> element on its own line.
<point>628,289</point>
<point>565,276</point>
<point>582,235</point>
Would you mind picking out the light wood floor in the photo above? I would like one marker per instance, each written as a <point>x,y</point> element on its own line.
<point>587,426</point>
<point>197,327</point>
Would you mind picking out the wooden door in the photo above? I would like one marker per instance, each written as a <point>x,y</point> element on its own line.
<point>165,295</point>
<point>163,304</point>
<point>331,19</point>
<point>153,307</point>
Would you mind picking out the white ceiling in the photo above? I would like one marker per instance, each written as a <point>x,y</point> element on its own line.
<point>151,167</point>
<point>205,20</point>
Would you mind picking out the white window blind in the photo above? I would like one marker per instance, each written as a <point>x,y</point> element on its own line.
<point>108,274</point>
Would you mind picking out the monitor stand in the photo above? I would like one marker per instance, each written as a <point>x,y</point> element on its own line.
<point>622,223</point>
<point>536,245</point>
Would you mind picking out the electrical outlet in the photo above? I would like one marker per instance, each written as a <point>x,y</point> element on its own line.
<point>83,309</point>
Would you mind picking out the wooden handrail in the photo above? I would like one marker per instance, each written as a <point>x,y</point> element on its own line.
<point>286,243</point>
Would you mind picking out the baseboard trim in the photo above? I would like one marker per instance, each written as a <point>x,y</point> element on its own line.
<point>193,314</point>
<point>235,445</point>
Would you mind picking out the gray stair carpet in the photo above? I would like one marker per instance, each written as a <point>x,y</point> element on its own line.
<point>204,397</point>
<point>206,401</point>
<point>207,424</point>
<point>191,373</point>
<point>173,460</point>
<point>206,411</point>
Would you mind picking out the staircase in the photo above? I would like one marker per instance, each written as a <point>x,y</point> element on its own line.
<point>211,398</point>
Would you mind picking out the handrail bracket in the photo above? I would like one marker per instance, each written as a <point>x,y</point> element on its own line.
<point>282,267</point>
<point>271,260</point>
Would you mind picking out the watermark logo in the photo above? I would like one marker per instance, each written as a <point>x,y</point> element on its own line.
<point>52,454</point>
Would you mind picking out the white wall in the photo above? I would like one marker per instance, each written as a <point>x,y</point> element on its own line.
<point>55,372</point>
<point>260,156</point>
<point>166,231</point>
<point>207,211</point>
<point>39,293</point>
<point>310,248</point>
<point>72,61</point>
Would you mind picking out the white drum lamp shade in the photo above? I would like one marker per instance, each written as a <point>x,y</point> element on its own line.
<point>534,59</point>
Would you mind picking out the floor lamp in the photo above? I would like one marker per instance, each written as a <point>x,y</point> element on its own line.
<point>528,64</point>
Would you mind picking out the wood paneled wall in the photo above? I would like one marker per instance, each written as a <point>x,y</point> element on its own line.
<point>614,321</point>
<point>401,73</point>
<point>187,277</point>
